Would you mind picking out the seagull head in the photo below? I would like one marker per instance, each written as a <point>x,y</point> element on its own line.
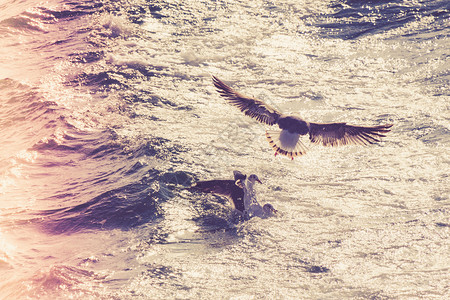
<point>269,210</point>
<point>253,178</point>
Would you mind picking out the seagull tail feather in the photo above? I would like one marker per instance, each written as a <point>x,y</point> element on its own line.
<point>286,143</point>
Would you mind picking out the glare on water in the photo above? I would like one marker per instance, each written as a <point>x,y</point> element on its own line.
<point>108,113</point>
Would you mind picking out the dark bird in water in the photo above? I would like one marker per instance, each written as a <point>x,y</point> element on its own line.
<point>232,189</point>
<point>239,191</point>
<point>287,141</point>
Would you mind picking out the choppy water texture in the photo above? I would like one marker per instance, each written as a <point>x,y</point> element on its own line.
<point>108,113</point>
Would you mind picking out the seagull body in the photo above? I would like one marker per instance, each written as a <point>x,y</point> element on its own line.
<point>287,141</point>
<point>241,193</point>
<point>232,189</point>
<point>249,191</point>
<point>252,207</point>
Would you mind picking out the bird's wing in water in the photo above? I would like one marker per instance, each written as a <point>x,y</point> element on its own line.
<point>336,134</point>
<point>229,188</point>
<point>219,187</point>
<point>250,106</point>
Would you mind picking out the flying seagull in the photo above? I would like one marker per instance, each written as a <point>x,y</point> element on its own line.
<point>240,191</point>
<point>287,141</point>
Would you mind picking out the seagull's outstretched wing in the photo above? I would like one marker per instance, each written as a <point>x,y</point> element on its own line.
<point>336,134</point>
<point>250,106</point>
<point>219,187</point>
<point>228,188</point>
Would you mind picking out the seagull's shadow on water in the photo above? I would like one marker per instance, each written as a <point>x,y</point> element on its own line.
<point>212,215</point>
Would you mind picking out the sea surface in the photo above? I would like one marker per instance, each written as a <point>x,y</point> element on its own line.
<point>108,114</point>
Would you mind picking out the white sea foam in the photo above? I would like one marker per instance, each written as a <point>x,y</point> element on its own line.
<point>119,116</point>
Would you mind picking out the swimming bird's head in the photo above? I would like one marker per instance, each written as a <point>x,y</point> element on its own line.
<point>269,210</point>
<point>253,178</point>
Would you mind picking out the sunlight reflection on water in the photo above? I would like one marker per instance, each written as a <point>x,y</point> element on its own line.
<point>109,114</point>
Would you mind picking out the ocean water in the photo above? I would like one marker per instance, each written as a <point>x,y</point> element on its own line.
<point>108,114</point>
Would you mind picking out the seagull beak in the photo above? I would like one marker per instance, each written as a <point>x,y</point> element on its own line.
<point>258,180</point>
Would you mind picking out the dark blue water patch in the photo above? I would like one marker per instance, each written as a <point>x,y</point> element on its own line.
<point>101,161</point>
<point>122,208</point>
<point>53,143</point>
<point>89,144</point>
<point>143,96</point>
<point>76,10</point>
<point>106,80</point>
<point>442,197</point>
<point>361,3</point>
<point>155,10</point>
<point>135,168</point>
<point>106,145</point>
<point>137,14</point>
<point>162,273</point>
<point>145,70</point>
<point>308,266</point>
<point>104,150</point>
<point>87,57</point>
<point>161,148</point>
<point>213,224</point>
<point>353,19</point>
<point>172,183</point>
<point>116,78</point>
<point>317,269</point>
